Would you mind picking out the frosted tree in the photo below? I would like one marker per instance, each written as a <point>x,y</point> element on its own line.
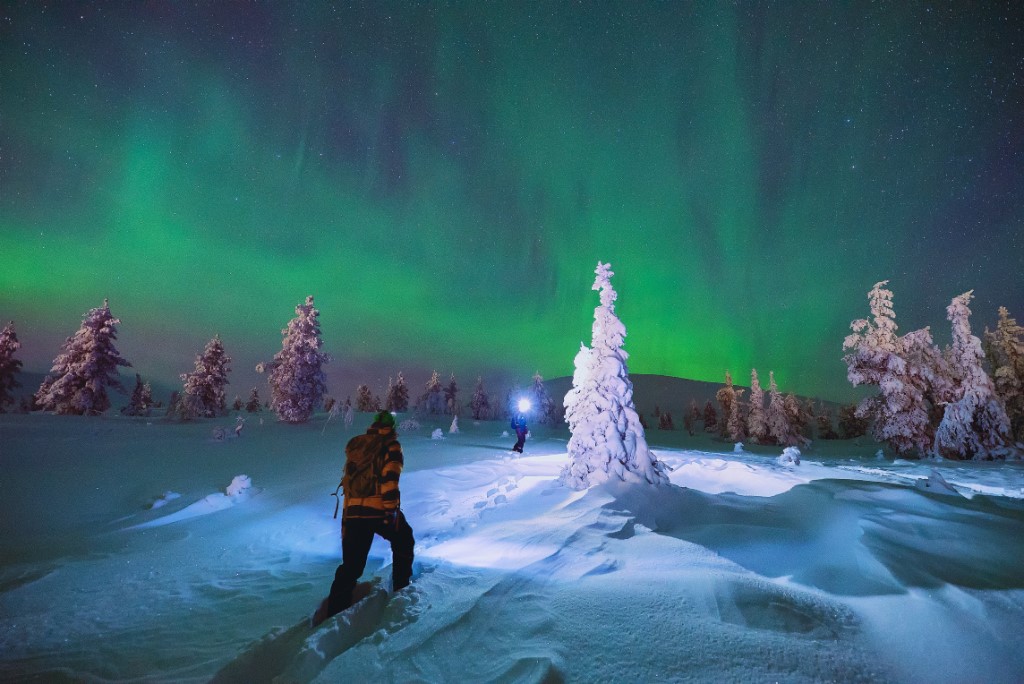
<point>432,399</point>
<point>9,366</point>
<point>975,424</point>
<point>710,417</point>
<point>1006,354</point>
<point>798,418</point>
<point>543,405</point>
<point>757,425</point>
<point>253,404</point>
<point>365,401</point>
<point>86,366</point>
<point>397,398</point>
<point>736,426</point>
<point>607,439</point>
<point>141,402</point>
<point>480,404</point>
<point>451,396</point>
<point>878,356</point>
<point>297,381</point>
<point>204,387</point>
<point>726,397</point>
<point>777,418</point>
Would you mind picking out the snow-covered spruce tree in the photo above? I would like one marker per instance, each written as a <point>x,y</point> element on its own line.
<point>726,396</point>
<point>975,424</point>
<point>204,386</point>
<point>798,418</point>
<point>607,438</point>
<point>1006,351</point>
<point>86,366</point>
<point>9,366</point>
<point>364,399</point>
<point>710,417</point>
<point>253,405</point>
<point>757,426</point>
<point>735,428</point>
<point>779,429</point>
<point>141,402</point>
<point>432,399</point>
<point>297,382</point>
<point>480,404</point>
<point>543,405</point>
<point>451,397</point>
<point>877,356</point>
<point>398,395</point>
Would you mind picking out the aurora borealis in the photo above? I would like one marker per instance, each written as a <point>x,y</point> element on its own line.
<point>443,178</point>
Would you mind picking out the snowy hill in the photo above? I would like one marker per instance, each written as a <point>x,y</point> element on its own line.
<point>134,549</point>
<point>668,393</point>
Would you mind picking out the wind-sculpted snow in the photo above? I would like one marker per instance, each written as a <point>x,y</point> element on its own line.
<point>839,568</point>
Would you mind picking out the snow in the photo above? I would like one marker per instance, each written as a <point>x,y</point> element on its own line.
<point>842,568</point>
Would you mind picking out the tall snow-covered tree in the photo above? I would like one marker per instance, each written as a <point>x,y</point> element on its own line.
<point>726,396</point>
<point>9,366</point>
<point>451,396</point>
<point>432,400</point>
<point>878,356</point>
<point>543,405</point>
<point>607,439</point>
<point>480,404</point>
<point>398,395</point>
<point>975,424</point>
<point>86,366</point>
<point>710,417</point>
<point>736,426</point>
<point>779,427</point>
<point>297,381</point>
<point>204,386</point>
<point>798,418</point>
<point>365,401</point>
<point>1005,347</point>
<point>757,426</point>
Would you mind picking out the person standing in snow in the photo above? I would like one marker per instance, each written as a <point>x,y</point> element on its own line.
<point>518,424</point>
<point>372,505</point>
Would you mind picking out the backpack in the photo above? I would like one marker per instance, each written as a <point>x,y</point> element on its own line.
<point>364,462</point>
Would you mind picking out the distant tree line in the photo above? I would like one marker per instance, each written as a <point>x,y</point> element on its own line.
<point>88,364</point>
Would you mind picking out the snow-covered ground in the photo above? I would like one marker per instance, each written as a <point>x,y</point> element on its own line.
<point>132,549</point>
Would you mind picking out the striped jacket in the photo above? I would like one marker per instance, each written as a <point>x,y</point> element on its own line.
<point>376,442</point>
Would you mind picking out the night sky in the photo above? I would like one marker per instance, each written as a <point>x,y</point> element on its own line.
<point>444,177</point>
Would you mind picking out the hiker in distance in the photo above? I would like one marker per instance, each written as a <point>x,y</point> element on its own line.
<point>372,505</point>
<point>518,423</point>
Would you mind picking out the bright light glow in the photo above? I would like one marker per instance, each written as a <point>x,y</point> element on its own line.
<point>524,405</point>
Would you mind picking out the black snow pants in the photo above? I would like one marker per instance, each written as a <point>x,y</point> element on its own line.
<point>520,440</point>
<point>356,538</point>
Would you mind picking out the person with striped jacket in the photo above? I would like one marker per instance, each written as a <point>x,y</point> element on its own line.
<point>372,505</point>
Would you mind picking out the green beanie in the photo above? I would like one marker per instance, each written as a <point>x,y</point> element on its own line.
<point>384,419</point>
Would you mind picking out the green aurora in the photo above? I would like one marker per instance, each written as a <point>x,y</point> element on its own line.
<point>444,177</point>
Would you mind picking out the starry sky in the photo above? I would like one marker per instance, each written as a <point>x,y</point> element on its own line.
<point>443,177</point>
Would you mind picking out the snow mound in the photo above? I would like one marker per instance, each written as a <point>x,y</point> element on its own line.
<point>240,485</point>
<point>437,434</point>
<point>164,499</point>
<point>936,484</point>
<point>239,490</point>
<point>790,457</point>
